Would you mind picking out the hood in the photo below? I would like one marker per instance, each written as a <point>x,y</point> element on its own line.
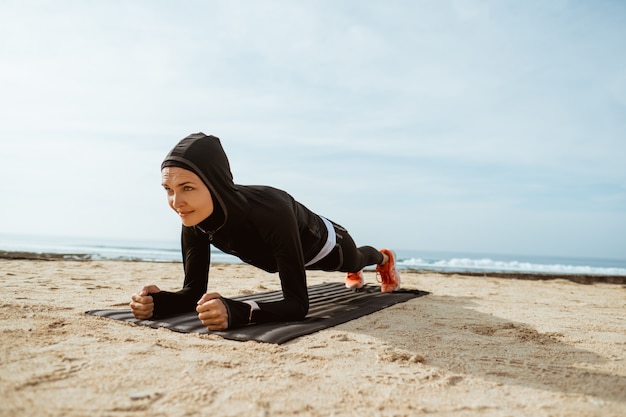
<point>205,156</point>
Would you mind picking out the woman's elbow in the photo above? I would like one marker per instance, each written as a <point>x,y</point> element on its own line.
<point>298,310</point>
<point>301,310</point>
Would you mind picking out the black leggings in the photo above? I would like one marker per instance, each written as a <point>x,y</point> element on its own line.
<point>346,257</point>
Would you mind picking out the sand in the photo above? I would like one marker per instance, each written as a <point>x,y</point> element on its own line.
<point>476,346</point>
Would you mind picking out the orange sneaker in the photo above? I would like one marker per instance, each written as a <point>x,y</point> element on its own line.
<point>389,277</point>
<point>354,280</point>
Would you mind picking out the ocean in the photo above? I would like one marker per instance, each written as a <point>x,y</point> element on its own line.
<point>169,251</point>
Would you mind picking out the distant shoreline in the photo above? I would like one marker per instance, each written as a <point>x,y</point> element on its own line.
<point>543,276</point>
<point>577,278</point>
<point>44,256</point>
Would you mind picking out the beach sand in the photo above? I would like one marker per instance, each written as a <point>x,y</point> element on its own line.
<point>475,346</point>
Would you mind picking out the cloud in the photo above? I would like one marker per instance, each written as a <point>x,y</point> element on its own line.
<point>455,117</point>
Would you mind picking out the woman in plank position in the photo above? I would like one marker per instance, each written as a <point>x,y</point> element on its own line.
<point>261,225</point>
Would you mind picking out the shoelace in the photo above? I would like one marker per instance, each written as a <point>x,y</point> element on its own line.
<point>379,274</point>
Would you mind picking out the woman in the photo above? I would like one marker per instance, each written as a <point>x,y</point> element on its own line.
<point>261,225</point>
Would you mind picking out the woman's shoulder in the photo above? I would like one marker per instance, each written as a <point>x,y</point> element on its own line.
<point>265,194</point>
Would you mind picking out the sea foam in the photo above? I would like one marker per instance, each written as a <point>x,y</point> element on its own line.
<point>490,265</point>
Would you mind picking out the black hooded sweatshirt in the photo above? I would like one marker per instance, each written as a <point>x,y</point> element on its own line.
<point>261,225</point>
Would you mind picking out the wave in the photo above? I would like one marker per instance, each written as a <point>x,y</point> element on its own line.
<point>490,265</point>
<point>169,251</point>
<point>85,249</point>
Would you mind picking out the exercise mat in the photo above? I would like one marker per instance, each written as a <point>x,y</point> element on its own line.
<point>330,304</point>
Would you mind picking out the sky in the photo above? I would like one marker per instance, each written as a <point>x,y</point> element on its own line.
<point>463,125</point>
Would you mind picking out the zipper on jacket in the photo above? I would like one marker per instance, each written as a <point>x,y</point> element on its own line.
<point>208,233</point>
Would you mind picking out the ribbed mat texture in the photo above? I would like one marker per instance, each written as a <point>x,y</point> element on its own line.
<point>330,305</point>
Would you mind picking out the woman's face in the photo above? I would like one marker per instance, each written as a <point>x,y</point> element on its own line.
<point>187,195</point>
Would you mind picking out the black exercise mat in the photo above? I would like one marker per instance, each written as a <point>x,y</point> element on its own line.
<point>330,305</point>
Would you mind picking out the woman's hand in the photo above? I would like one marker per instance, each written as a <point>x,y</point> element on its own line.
<point>212,312</point>
<point>142,303</point>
